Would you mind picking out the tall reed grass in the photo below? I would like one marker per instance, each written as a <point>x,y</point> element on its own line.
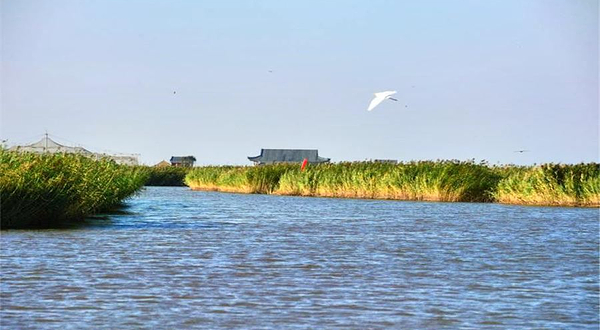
<point>243,179</point>
<point>451,181</point>
<point>550,184</point>
<point>165,176</point>
<point>44,190</point>
<point>426,180</point>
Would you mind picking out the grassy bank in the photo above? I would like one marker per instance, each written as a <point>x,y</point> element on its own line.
<point>165,176</point>
<point>258,180</point>
<point>452,181</point>
<point>435,181</point>
<point>550,184</point>
<point>43,190</point>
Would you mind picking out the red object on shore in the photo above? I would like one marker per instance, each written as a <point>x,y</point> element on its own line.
<point>304,162</point>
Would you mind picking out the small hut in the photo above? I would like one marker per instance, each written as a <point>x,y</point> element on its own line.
<point>277,156</point>
<point>183,161</point>
<point>163,163</point>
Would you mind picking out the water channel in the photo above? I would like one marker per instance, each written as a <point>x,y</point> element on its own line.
<point>176,258</point>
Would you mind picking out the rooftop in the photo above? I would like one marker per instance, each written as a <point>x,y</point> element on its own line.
<point>271,156</point>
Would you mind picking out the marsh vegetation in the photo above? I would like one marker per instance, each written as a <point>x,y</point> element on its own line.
<point>43,190</point>
<point>447,181</point>
<point>165,176</point>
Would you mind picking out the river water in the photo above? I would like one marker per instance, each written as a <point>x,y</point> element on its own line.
<point>179,259</point>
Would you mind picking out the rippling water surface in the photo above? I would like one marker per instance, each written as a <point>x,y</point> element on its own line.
<point>176,258</point>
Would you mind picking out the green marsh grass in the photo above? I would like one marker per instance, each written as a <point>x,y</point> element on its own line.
<point>243,179</point>
<point>427,180</point>
<point>44,190</point>
<point>449,181</point>
<point>550,184</point>
<point>165,176</point>
<point>424,180</point>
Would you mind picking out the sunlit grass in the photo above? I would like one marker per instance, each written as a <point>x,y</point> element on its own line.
<point>52,188</point>
<point>262,180</point>
<point>426,180</point>
<point>451,181</point>
<point>550,184</point>
<point>440,181</point>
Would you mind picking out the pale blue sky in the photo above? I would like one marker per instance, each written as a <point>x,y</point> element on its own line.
<point>475,79</point>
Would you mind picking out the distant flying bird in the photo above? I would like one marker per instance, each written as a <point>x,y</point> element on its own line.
<point>174,92</point>
<point>380,97</point>
<point>521,151</point>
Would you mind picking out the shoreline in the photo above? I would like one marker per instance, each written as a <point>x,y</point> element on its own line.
<point>230,190</point>
<point>563,185</point>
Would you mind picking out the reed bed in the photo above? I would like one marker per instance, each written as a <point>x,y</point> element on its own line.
<point>426,180</point>
<point>165,176</point>
<point>448,181</point>
<point>242,179</point>
<point>44,190</point>
<point>550,184</point>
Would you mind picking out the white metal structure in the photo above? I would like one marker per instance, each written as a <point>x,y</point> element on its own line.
<point>47,145</point>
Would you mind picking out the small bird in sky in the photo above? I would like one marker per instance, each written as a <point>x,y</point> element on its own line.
<point>521,151</point>
<point>380,97</point>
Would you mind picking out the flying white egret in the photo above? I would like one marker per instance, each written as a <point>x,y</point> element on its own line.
<point>380,97</point>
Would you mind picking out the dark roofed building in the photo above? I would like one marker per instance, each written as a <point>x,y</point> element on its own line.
<point>274,156</point>
<point>386,161</point>
<point>183,161</point>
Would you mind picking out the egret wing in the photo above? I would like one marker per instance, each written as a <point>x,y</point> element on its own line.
<point>380,97</point>
<point>375,102</point>
<point>386,94</point>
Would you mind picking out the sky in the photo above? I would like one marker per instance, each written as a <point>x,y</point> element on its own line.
<point>222,79</point>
